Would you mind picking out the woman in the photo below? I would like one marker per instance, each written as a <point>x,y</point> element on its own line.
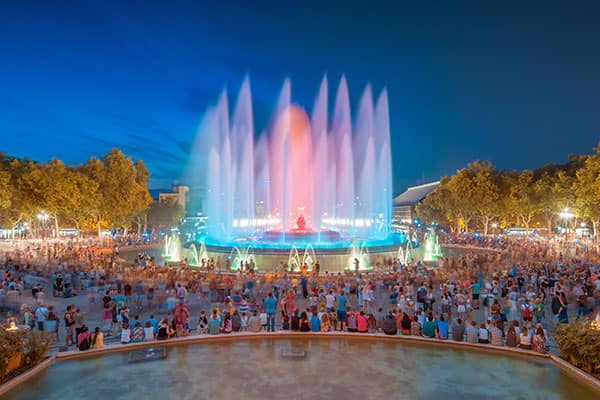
<point>295,320</point>
<point>84,339</point>
<point>291,301</point>
<point>405,324</point>
<point>525,339</point>
<point>539,341</point>
<point>163,330</point>
<point>304,324</point>
<point>97,339</point>
<point>511,336</point>
<point>283,302</point>
<point>362,325</point>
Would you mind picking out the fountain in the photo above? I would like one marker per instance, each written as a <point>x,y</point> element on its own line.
<point>309,257</point>
<point>432,249</point>
<point>172,251</point>
<point>358,258</point>
<point>305,179</point>
<point>265,185</point>
<point>196,257</point>
<point>241,257</point>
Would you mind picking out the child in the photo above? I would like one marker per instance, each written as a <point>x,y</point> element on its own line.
<point>263,319</point>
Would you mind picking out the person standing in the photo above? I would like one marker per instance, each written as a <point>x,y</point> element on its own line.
<point>70,337</point>
<point>270,309</point>
<point>41,314</point>
<point>342,304</point>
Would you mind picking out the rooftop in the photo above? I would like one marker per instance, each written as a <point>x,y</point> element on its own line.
<point>413,195</point>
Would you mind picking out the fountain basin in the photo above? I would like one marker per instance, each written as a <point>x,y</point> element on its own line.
<point>366,366</point>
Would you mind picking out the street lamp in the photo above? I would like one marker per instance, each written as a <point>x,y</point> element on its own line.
<point>494,226</point>
<point>43,218</point>
<point>566,215</point>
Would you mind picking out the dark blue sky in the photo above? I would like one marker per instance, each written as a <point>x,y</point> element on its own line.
<point>518,85</point>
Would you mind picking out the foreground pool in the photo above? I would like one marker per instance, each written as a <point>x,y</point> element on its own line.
<point>332,368</point>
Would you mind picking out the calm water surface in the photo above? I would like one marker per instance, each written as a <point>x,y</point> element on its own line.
<point>332,368</point>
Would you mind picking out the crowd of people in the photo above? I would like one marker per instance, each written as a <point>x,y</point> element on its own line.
<point>509,297</point>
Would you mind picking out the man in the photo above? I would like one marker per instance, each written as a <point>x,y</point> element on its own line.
<point>429,327</point>
<point>180,317</point>
<point>475,289</point>
<point>270,309</point>
<point>441,330</point>
<point>496,334</point>
<point>41,314</point>
<point>458,330</point>
<point>330,301</point>
<point>315,323</point>
<point>342,303</point>
<point>389,324</point>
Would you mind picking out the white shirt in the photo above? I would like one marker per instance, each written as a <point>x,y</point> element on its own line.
<point>125,335</point>
<point>149,333</point>
<point>330,300</point>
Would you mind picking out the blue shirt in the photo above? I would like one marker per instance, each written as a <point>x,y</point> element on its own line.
<point>315,324</point>
<point>442,327</point>
<point>476,287</point>
<point>270,305</point>
<point>341,303</point>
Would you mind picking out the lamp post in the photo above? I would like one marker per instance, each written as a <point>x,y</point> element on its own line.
<point>566,215</point>
<point>494,226</point>
<point>42,218</point>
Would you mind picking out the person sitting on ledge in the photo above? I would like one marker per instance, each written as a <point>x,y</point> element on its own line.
<point>352,322</point>
<point>304,324</point>
<point>97,339</point>
<point>429,327</point>
<point>362,323</point>
<point>254,323</point>
<point>84,339</point>
<point>389,324</point>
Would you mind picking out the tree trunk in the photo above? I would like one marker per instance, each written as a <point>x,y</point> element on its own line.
<point>56,227</point>
<point>99,231</point>
<point>485,226</point>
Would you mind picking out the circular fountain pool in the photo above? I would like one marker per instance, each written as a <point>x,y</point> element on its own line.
<point>330,368</point>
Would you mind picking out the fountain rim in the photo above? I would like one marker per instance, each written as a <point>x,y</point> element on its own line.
<point>571,370</point>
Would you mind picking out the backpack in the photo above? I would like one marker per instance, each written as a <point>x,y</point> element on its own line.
<point>486,301</point>
<point>526,312</point>
<point>555,305</point>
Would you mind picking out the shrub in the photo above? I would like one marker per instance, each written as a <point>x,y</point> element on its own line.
<point>31,345</point>
<point>579,343</point>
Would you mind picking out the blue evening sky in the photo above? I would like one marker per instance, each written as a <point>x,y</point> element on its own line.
<point>517,83</point>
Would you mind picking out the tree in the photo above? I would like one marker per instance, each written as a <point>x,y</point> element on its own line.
<point>523,197</point>
<point>587,190</point>
<point>486,192</point>
<point>122,189</point>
